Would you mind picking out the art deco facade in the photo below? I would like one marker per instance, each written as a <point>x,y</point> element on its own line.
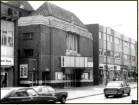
<point>56,48</point>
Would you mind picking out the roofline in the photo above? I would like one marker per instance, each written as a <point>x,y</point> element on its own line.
<point>15,6</point>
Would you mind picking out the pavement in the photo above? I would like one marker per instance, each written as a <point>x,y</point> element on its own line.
<point>86,91</point>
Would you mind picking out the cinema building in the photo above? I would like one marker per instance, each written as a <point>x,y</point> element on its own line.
<point>121,55</point>
<point>9,42</point>
<point>55,49</point>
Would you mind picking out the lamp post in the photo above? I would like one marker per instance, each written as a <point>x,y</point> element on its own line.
<point>106,54</point>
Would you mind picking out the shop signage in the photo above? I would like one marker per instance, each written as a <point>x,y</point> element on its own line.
<point>110,67</point>
<point>7,61</point>
<point>23,71</point>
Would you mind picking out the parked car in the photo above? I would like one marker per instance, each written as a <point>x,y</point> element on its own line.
<point>134,100</point>
<point>117,88</point>
<point>49,91</point>
<point>24,95</point>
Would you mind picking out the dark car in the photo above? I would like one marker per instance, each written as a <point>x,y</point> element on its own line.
<point>117,88</point>
<point>24,95</point>
<point>49,91</point>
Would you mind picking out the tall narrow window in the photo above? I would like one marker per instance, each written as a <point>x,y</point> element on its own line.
<point>111,39</point>
<point>4,38</point>
<point>125,57</point>
<point>100,52</point>
<point>117,55</point>
<point>108,37</point>
<point>72,42</point>
<point>67,39</point>
<point>132,46</point>
<point>75,43</point>
<point>117,41</point>
<point>10,39</point>
<point>112,54</point>
<point>100,35</point>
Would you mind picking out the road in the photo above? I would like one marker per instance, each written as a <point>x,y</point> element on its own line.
<point>102,99</point>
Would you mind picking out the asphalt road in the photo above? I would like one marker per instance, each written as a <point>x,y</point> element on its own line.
<point>102,99</point>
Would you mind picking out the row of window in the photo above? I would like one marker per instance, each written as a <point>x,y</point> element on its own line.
<point>116,55</point>
<point>117,40</point>
<point>128,57</point>
<point>13,12</point>
<point>7,38</point>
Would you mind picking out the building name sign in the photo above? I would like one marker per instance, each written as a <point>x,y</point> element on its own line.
<point>7,61</point>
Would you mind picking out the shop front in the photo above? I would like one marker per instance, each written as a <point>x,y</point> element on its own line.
<point>7,71</point>
<point>114,73</point>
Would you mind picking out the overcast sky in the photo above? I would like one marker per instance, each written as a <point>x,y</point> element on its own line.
<point>106,13</point>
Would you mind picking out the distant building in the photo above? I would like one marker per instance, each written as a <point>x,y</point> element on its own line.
<point>9,41</point>
<point>56,48</point>
<point>121,54</point>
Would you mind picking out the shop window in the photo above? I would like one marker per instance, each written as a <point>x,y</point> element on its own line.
<point>58,75</point>
<point>117,41</point>
<point>72,42</point>
<point>101,52</point>
<point>85,76</point>
<point>28,36</point>
<point>28,52</point>
<point>91,74</point>
<point>117,55</point>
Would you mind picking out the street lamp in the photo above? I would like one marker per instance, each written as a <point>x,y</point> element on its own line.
<point>106,54</point>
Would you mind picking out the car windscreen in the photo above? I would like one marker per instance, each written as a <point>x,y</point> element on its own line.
<point>114,85</point>
<point>36,88</point>
<point>5,92</point>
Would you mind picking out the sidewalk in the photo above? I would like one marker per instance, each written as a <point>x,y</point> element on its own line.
<point>79,92</point>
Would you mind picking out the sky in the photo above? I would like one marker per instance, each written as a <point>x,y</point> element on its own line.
<point>105,13</point>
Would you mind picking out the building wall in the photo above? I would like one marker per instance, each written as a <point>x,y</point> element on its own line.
<point>51,45</point>
<point>112,46</point>
<point>5,7</point>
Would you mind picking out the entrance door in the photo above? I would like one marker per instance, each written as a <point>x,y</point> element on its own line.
<point>69,80</point>
<point>4,79</point>
<point>32,78</point>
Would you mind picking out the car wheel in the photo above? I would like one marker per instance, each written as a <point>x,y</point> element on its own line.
<point>63,100</point>
<point>106,96</point>
<point>128,93</point>
<point>122,94</point>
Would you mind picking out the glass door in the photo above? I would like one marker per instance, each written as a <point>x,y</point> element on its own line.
<point>32,78</point>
